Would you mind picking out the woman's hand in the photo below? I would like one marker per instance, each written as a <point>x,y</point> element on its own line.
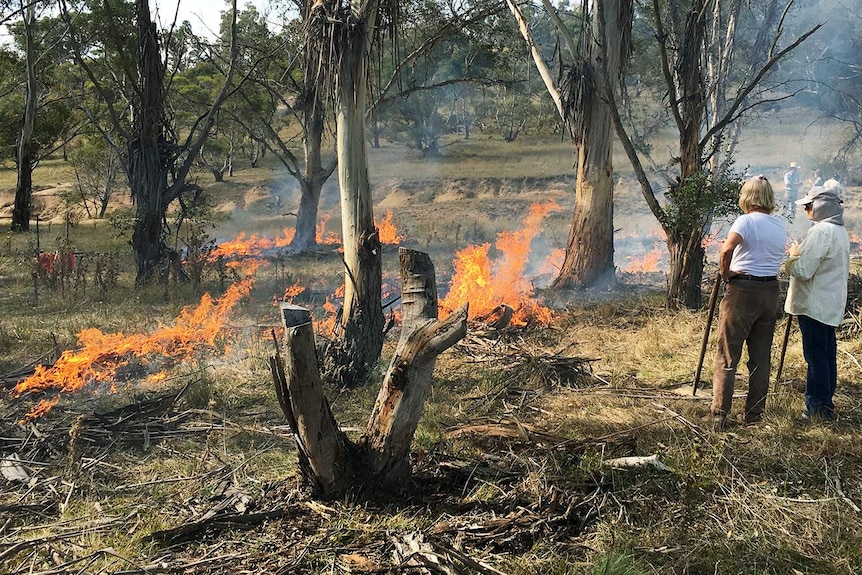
<point>793,251</point>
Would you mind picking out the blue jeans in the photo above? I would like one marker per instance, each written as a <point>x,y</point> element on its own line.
<point>820,350</point>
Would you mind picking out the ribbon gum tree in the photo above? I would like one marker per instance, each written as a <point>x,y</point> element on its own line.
<point>346,33</point>
<point>711,79</point>
<point>582,105</point>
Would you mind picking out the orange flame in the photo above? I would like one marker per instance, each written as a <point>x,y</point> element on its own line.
<point>486,284</point>
<point>284,240</point>
<point>327,325</point>
<point>324,237</point>
<point>101,355</point>
<point>242,247</point>
<point>387,232</point>
<point>648,263</point>
<point>292,292</point>
<point>41,408</point>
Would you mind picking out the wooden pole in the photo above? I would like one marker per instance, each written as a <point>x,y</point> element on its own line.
<point>784,347</point>
<point>713,298</point>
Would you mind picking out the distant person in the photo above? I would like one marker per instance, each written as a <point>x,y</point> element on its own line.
<point>818,269</point>
<point>792,185</point>
<point>816,179</point>
<point>748,261</point>
<point>833,184</point>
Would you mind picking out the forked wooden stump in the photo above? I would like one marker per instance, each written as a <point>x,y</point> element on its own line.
<point>381,457</point>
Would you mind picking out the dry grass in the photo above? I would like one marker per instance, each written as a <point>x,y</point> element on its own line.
<point>530,493</point>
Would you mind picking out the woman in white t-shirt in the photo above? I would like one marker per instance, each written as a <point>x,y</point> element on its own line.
<point>748,261</point>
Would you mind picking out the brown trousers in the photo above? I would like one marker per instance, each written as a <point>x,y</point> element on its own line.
<point>747,315</point>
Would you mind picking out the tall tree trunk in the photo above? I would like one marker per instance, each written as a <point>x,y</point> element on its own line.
<point>147,159</point>
<point>313,174</point>
<point>306,217</point>
<point>26,151</point>
<point>687,257</point>
<point>686,244</point>
<point>589,259</point>
<point>351,359</point>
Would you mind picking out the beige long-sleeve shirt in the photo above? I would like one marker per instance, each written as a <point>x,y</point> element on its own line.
<point>818,275</point>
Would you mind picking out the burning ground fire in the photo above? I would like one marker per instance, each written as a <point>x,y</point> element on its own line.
<point>387,232</point>
<point>244,247</point>
<point>102,356</point>
<point>486,284</point>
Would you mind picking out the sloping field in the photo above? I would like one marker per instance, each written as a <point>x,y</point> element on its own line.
<point>568,446</point>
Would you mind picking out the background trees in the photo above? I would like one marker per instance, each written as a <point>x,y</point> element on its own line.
<point>36,95</point>
<point>124,77</point>
<point>701,69</point>
<point>715,61</point>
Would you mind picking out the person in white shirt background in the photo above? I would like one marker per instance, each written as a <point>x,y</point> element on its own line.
<point>792,185</point>
<point>749,261</point>
<point>818,269</point>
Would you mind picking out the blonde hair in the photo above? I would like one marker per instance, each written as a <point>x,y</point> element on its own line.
<point>757,194</point>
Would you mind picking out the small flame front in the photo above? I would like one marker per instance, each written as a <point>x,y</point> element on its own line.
<point>101,355</point>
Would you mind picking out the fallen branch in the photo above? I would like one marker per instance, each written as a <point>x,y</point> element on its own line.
<point>211,525</point>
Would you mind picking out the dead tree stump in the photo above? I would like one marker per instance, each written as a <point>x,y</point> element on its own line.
<point>329,461</point>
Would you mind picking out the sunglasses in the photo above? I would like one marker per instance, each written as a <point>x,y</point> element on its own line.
<point>807,207</point>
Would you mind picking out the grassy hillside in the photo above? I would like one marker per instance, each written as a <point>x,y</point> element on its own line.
<point>513,458</point>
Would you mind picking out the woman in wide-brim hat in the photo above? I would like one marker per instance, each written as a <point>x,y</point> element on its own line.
<point>818,269</point>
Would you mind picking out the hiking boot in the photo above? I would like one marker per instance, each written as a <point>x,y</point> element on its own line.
<point>717,421</point>
<point>821,416</point>
<point>750,419</point>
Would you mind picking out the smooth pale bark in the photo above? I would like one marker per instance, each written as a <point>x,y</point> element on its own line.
<point>350,360</point>
<point>538,59</point>
<point>26,152</point>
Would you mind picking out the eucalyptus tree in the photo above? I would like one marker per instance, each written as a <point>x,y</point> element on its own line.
<point>37,94</point>
<point>581,97</point>
<point>126,93</point>
<point>446,51</point>
<point>239,123</point>
<point>344,35</point>
<point>283,108</point>
<point>25,156</point>
<point>56,123</point>
<point>98,174</point>
<point>712,76</point>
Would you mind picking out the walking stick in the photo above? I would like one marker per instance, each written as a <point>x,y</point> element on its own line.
<point>712,300</point>
<point>784,347</point>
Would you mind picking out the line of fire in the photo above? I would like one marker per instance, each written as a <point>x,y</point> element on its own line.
<point>498,279</point>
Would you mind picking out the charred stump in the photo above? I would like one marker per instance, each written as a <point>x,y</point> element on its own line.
<point>331,464</point>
